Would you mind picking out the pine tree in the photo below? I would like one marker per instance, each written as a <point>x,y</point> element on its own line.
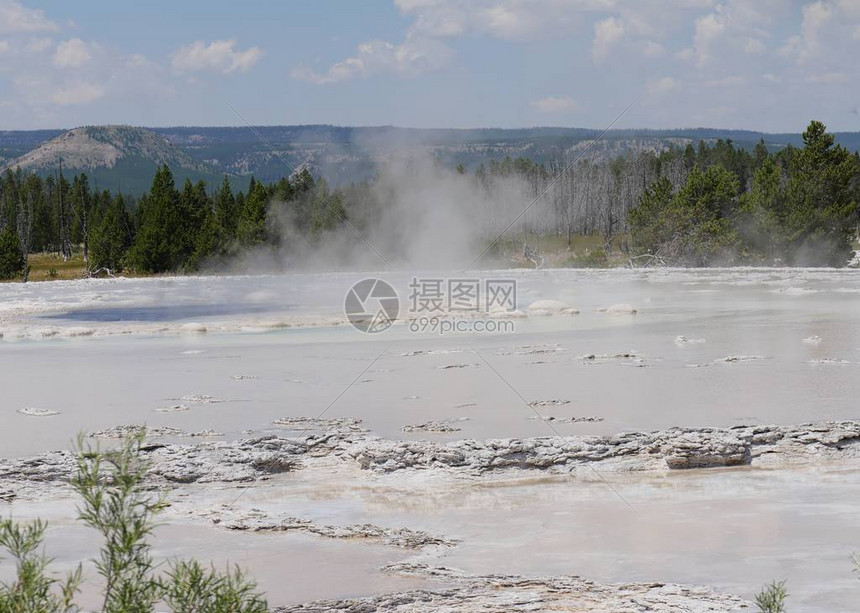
<point>821,200</point>
<point>226,212</point>
<point>11,258</point>
<point>760,219</point>
<point>158,244</point>
<point>251,229</point>
<point>111,238</point>
<point>194,210</point>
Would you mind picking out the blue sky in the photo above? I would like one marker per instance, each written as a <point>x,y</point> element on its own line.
<point>758,64</point>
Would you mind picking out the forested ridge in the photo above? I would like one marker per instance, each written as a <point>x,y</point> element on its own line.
<point>693,206</point>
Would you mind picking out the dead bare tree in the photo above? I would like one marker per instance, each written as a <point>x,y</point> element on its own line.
<point>63,217</point>
<point>24,220</point>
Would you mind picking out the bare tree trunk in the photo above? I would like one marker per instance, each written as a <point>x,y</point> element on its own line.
<point>24,218</point>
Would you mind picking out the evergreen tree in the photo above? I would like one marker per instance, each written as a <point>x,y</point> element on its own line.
<point>158,243</point>
<point>206,243</point>
<point>694,226</point>
<point>821,206</point>
<point>226,212</point>
<point>251,229</point>
<point>194,210</point>
<point>12,261</point>
<point>111,238</point>
<point>648,225</point>
<point>759,220</point>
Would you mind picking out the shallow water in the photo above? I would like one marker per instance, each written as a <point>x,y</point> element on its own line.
<point>272,351</point>
<point>111,378</point>
<point>735,529</point>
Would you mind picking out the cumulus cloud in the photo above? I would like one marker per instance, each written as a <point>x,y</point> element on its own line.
<point>554,104</point>
<point>754,46</point>
<point>77,94</point>
<point>39,45</point>
<point>506,19</point>
<point>730,81</point>
<point>816,17</point>
<point>660,86</point>
<point>72,53</point>
<point>653,49</point>
<point>414,56</point>
<point>828,77</point>
<point>218,56</point>
<point>708,29</point>
<point>15,18</point>
<point>606,33</point>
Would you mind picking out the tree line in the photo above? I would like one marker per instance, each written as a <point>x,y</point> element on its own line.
<point>698,205</point>
<point>798,207</point>
<point>691,206</point>
<point>167,229</point>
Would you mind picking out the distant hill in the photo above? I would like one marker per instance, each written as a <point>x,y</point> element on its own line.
<point>346,154</point>
<point>116,155</point>
<point>113,157</point>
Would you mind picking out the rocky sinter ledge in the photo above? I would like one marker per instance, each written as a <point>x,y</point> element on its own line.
<point>241,461</point>
<point>256,520</point>
<point>468,593</point>
<point>255,459</point>
<point>675,448</point>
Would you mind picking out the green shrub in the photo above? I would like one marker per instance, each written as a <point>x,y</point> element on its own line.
<point>116,503</point>
<point>589,259</point>
<point>33,589</point>
<point>771,599</point>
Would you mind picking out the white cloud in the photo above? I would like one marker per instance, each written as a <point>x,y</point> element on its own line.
<point>663,85</point>
<point>606,33</point>
<point>39,45</point>
<point>4,46</point>
<point>729,81</point>
<point>653,49</point>
<point>505,19</point>
<point>828,77</point>
<point>792,44</point>
<point>77,94</point>
<point>553,104</point>
<point>708,29</point>
<point>685,55</point>
<point>72,53</point>
<point>16,18</point>
<point>754,47</point>
<point>414,56</point>
<point>218,56</point>
<point>815,17</point>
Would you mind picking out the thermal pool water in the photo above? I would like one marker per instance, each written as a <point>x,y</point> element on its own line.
<point>228,356</point>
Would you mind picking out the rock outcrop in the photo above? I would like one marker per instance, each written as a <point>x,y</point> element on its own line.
<point>466,594</point>
<point>255,520</point>
<point>675,448</point>
<point>255,459</point>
